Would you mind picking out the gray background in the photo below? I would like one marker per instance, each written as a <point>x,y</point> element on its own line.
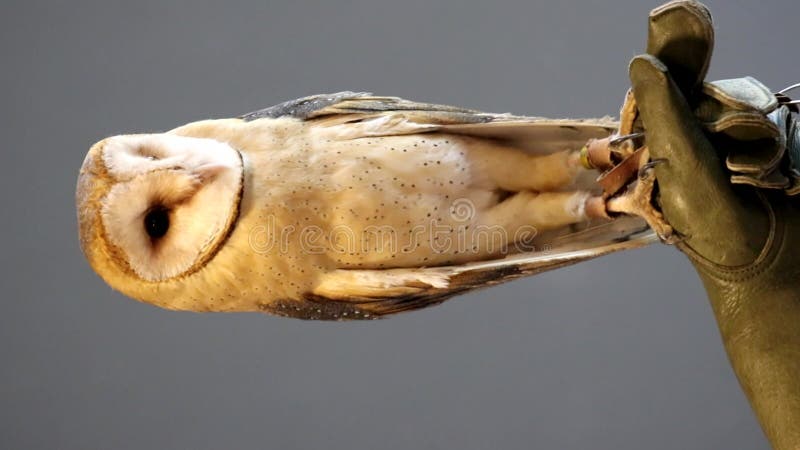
<point>617,353</point>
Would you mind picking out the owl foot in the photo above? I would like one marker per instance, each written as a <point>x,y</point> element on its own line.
<point>637,200</point>
<point>595,208</point>
<point>604,154</point>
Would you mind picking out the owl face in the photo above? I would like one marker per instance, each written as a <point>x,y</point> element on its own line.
<point>156,206</point>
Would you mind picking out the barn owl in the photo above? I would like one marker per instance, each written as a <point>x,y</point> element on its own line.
<point>342,206</point>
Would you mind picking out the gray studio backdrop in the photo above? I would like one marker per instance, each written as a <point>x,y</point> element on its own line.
<point>617,353</point>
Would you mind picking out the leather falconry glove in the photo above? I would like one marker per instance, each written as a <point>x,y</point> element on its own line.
<point>726,158</point>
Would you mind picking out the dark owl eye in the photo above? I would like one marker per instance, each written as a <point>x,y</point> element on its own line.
<point>148,153</point>
<point>156,222</point>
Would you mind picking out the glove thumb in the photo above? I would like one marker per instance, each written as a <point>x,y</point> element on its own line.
<point>694,193</point>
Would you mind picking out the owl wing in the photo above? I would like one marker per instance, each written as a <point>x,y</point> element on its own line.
<point>364,103</point>
<point>352,115</point>
<point>372,294</point>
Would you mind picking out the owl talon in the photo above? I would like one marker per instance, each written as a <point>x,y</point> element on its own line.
<point>643,171</point>
<point>637,200</point>
<point>617,140</point>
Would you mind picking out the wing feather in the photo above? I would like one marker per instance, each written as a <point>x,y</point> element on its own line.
<point>351,115</point>
<point>302,108</point>
<point>374,294</point>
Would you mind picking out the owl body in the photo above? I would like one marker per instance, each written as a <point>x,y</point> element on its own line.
<point>338,215</point>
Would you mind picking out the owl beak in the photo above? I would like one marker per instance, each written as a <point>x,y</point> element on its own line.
<point>207,172</point>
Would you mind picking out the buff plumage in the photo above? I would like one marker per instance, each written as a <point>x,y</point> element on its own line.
<point>342,206</point>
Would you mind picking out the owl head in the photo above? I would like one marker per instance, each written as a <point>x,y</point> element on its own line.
<point>156,207</point>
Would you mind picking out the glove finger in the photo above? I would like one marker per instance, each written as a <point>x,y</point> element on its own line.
<point>681,35</point>
<point>695,194</point>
